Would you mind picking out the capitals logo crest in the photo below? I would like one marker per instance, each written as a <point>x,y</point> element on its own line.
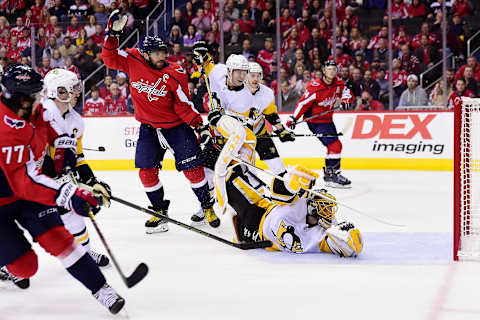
<point>152,89</point>
<point>14,123</point>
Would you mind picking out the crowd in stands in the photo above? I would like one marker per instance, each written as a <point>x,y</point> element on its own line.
<point>69,34</point>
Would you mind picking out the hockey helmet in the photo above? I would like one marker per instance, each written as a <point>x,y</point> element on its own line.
<point>61,78</point>
<point>254,67</point>
<point>152,43</point>
<point>322,207</point>
<point>20,79</point>
<point>236,62</point>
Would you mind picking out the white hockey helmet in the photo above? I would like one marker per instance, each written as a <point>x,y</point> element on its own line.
<point>236,62</point>
<point>61,78</point>
<point>254,67</point>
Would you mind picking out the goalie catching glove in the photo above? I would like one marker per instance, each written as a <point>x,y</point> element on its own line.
<point>344,240</point>
<point>116,23</point>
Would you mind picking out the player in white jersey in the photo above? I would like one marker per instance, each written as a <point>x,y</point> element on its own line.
<point>60,87</point>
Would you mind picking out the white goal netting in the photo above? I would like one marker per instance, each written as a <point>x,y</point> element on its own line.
<point>468,169</point>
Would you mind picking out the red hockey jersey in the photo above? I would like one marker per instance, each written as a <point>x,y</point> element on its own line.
<point>320,97</point>
<point>160,97</point>
<point>22,150</point>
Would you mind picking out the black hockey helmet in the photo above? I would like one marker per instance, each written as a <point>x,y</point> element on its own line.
<point>329,63</point>
<point>152,43</point>
<point>21,79</point>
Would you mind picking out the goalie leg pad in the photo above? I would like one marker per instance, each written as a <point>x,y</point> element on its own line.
<point>25,266</point>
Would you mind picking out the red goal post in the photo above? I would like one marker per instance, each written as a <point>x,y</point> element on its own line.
<point>466,233</point>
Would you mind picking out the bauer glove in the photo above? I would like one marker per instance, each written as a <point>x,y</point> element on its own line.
<point>285,135</point>
<point>116,23</point>
<point>200,52</point>
<point>79,200</point>
<point>292,123</point>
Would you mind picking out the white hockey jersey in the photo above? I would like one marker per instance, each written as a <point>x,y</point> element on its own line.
<point>286,227</point>
<point>240,102</point>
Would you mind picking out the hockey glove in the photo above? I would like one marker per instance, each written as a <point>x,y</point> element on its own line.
<point>285,135</point>
<point>200,52</point>
<point>102,192</point>
<point>116,23</point>
<point>80,201</point>
<point>65,155</point>
<point>205,136</point>
<point>345,106</point>
<point>214,116</point>
<point>292,123</point>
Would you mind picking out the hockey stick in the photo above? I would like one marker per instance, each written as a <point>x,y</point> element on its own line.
<point>100,149</point>
<point>241,245</point>
<point>345,129</point>
<point>318,115</point>
<point>141,270</point>
<point>315,193</point>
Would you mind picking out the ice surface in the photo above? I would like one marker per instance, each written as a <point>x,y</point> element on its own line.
<point>403,273</point>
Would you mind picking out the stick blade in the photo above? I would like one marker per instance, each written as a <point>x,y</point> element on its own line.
<point>254,245</point>
<point>101,148</point>
<point>140,272</point>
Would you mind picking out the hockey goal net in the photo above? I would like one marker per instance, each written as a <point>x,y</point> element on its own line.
<point>467,180</point>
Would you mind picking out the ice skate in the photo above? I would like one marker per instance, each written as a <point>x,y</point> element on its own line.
<point>5,275</point>
<point>100,259</point>
<point>198,218</point>
<point>334,179</point>
<point>110,299</point>
<point>211,217</point>
<point>154,224</point>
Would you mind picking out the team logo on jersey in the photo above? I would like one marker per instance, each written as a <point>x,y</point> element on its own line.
<point>180,70</point>
<point>151,88</point>
<point>327,102</point>
<point>287,238</point>
<point>14,123</point>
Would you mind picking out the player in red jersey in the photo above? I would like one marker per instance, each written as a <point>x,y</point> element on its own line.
<point>168,119</point>
<point>30,198</point>
<point>321,96</point>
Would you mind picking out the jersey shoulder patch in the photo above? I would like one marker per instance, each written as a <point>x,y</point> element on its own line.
<point>14,123</point>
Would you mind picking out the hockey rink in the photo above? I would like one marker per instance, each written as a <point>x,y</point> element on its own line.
<point>403,273</point>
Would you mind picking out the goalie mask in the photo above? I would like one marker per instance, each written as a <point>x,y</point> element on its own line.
<point>323,208</point>
<point>62,84</point>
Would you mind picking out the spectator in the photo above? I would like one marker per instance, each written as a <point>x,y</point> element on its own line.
<point>213,36</point>
<point>355,39</point>
<point>247,49</point>
<point>417,9</point>
<point>356,84</point>
<point>29,19</point>
<point>58,34</point>
<point>462,8</point>
<point>367,103</point>
<point>179,21</point>
<point>460,91</point>
<point>38,52</point>
<point>427,54</point>
<point>4,25</point>
<point>17,30</point>
<point>254,11</point>
<point>236,36</point>
<point>123,84</point>
<point>343,59</point>
<point>90,26</point>
<point>201,23</point>
<point>266,24</point>
<point>105,86</point>
<point>265,56</point>
<point>13,8</point>
<point>51,45</point>
<point>300,58</point>
<point>101,15</point>
<point>324,31</point>
<point>425,30</point>
<point>293,9</point>
<point>94,105</point>
<point>437,96</point>
<point>176,56</point>
<point>70,66</point>
<point>56,60</point>
<point>409,62</point>
<point>307,19</point>
<point>82,38</point>
<point>175,36</point>
<point>373,44</point>
<point>288,56</point>
<point>246,24</point>
<point>364,42</point>
<point>303,32</point>
<point>451,76</point>
<point>286,21</point>
<point>24,39</point>
<point>78,9</point>
<point>436,7</point>
<point>14,51</point>
<point>380,54</point>
<point>37,10</point>
<point>283,76</point>
<point>73,30</point>
<point>316,41</point>
<point>316,10</point>
<point>42,38</point>
<point>289,95</point>
<point>115,103</point>
<point>371,85</point>
<point>67,49</point>
<point>43,70</point>
<point>231,12</point>
<point>414,95</point>
<point>456,26</point>
<point>99,35</point>
<point>470,82</point>
<point>59,10</point>
<point>93,51</point>
<point>471,62</point>
<point>401,38</point>
<point>360,62</point>
<point>383,85</point>
<point>191,36</point>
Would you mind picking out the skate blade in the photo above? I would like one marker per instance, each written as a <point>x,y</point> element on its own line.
<point>337,185</point>
<point>199,223</point>
<point>159,229</point>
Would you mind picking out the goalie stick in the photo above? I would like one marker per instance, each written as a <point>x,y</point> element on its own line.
<point>315,193</point>
<point>241,245</point>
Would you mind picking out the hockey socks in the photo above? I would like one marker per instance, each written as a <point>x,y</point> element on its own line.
<point>153,187</point>
<point>87,272</point>
<point>197,179</point>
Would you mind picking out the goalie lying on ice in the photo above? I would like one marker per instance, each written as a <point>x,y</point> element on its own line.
<point>293,218</point>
